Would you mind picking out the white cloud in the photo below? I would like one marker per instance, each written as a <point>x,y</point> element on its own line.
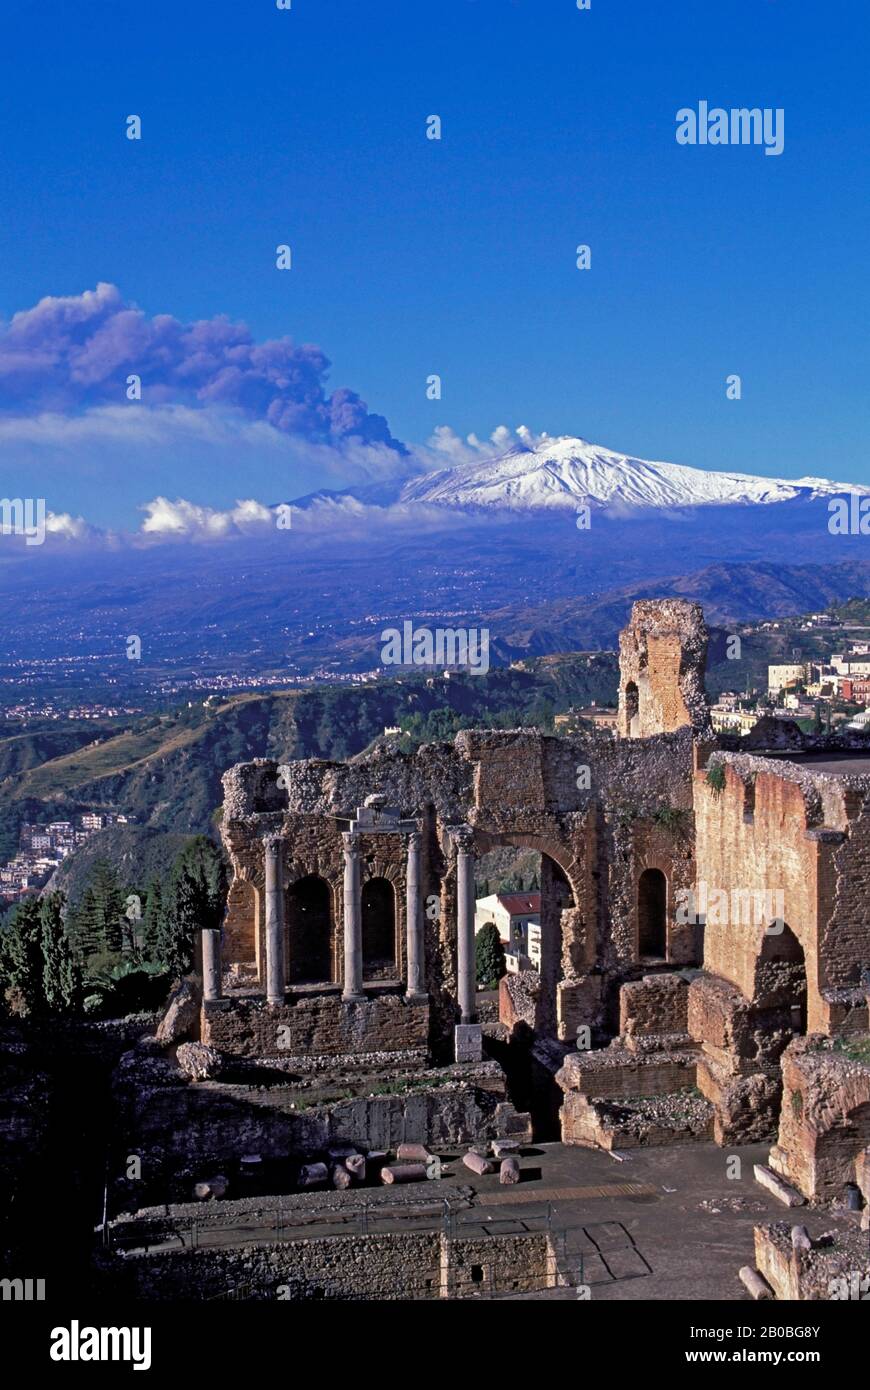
<point>183,520</point>
<point>70,528</point>
<point>445,448</point>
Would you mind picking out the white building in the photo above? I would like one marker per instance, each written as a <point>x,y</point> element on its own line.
<point>846,664</point>
<point>780,677</point>
<point>518,918</point>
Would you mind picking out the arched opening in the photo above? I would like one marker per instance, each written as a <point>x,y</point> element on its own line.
<point>378,929</point>
<point>836,1149</point>
<point>781,976</point>
<point>632,705</point>
<point>309,931</point>
<point>652,915</point>
<point>521,888</point>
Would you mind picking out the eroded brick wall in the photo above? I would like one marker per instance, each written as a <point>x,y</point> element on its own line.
<point>753,836</point>
<point>320,1024</point>
<point>662,656</point>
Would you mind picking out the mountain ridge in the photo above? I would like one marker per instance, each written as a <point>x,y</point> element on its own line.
<point>567,472</point>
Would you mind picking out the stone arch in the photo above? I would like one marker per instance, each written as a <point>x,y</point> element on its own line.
<point>310,929</point>
<point>781,974</point>
<point>652,915</point>
<point>560,897</point>
<point>380,920</point>
<point>559,852</point>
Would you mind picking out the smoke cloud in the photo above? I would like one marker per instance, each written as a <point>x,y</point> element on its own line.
<point>76,352</point>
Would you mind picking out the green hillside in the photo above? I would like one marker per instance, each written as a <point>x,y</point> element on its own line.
<point>166,769</point>
<point>137,853</point>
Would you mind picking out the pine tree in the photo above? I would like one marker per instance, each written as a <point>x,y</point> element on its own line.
<point>60,976</point>
<point>96,923</point>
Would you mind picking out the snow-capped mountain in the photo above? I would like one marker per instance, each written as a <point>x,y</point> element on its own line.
<point>566,472</point>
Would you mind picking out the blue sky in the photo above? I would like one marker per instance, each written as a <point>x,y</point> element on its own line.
<point>457,257</point>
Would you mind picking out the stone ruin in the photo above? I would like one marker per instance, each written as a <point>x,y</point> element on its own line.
<point>660,1015</point>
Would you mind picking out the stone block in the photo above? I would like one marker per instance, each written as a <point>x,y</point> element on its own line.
<point>468,1038</point>
<point>782,1191</point>
<point>752,1281</point>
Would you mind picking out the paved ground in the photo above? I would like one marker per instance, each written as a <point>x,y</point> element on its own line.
<point>684,1235</point>
<point>664,1224</point>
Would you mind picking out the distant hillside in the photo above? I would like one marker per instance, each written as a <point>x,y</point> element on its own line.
<point>138,854</point>
<point>729,594</point>
<point>857,610</point>
<point>166,770</point>
<point>20,752</point>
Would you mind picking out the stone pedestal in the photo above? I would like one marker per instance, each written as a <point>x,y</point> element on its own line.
<point>468,1042</point>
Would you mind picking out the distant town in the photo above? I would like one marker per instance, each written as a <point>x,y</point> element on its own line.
<point>821,696</point>
<point>41,848</point>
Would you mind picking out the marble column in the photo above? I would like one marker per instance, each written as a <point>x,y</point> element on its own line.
<point>352,919</point>
<point>465,965</point>
<point>211,964</point>
<point>275,968</point>
<point>414,949</point>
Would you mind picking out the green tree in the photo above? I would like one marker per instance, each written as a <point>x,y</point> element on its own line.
<point>153,927</point>
<point>96,924</point>
<point>21,959</point>
<point>489,956</point>
<point>60,974</point>
<point>195,901</point>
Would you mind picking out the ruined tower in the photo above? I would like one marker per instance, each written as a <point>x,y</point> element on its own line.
<point>662,655</point>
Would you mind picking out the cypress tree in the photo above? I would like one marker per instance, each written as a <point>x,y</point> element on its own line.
<point>60,976</point>
<point>194,902</point>
<point>489,956</point>
<point>21,957</point>
<point>153,921</point>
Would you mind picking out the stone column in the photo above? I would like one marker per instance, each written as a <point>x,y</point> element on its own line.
<point>415,949</point>
<point>211,964</point>
<point>465,967</point>
<point>275,970</point>
<point>352,920</point>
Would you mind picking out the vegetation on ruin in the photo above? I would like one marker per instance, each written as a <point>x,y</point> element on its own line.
<point>675,819</point>
<point>856,1047</point>
<point>716,778</point>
